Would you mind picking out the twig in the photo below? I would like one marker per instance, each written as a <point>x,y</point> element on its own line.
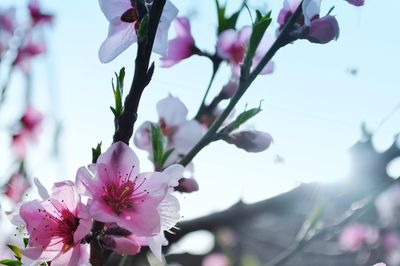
<point>142,76</point>
<point>244,84</point>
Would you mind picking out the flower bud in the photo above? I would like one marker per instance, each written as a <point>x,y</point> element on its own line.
<point>229,89</point>
<point>187,185</point>
<point>121,245</point>
<point>356,2</point>
<point>251,141</point>
<point>323,30</point>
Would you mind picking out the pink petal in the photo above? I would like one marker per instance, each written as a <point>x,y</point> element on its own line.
<point>172,110</point>
<point>155,244</point>
<point>120,159</point>
<point>65,192</point>
<point>114,8</point>
<point>124,245</point>
<point>324,30</point>
<point>182,26</point>
<point>225,41</point>
<point>85,224</point>
<point>120,36</point>
<point>142,138</point>
<point>43,193</point>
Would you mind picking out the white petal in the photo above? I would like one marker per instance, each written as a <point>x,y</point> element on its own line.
<point>43,193</point>
<point>120,36</point>
<point>187,136</point>
<point>169,212</point>
<point>310,9</point>
<point>172,110</point>
<point>161,42</point>
<point>175,171</point>
<point>114,8</point>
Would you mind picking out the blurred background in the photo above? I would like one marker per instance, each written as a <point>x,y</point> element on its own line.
<point>314,106</point>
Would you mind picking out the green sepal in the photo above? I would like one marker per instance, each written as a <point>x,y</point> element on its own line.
<point>96,152</point>
<point>10,262</point>
<point>16,251</point>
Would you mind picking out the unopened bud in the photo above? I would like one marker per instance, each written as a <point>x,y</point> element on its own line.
<point>187,185</point>
<point>250,141</point>
<point>229,89</point>
<point>323,30</point>
<point>120,244</point>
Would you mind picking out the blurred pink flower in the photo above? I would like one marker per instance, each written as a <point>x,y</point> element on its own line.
<point>37,16</point>
<point>181,134</point>
<point>232,46</point>
<point>16,187</point>
<point>182,46</point>
<point>7,20</point>
<point>216,259</point>
<point>124,23</point>
<point>26,52</point>
<point>29,126</point>
<point>120,194</point>
<point>56,226</point>
<point>354,236</point>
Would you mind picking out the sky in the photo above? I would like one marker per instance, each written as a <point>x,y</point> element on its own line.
<point>312,106</point>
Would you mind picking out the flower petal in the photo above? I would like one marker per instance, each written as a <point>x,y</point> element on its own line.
<point>114,8</point>
<point>172,110</point>
<point>120,36</point>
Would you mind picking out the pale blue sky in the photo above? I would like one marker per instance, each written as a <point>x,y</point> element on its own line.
<point>312,106</point>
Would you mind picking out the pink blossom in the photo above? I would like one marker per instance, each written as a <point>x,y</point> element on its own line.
<point>354,236</point>
<point>7,20</point>
<point>16,187</point>
<point>356,2</point>
<point>37,16</point>
<point>27,52</point>
<point>182,46</point>
<point>216,259</point>
<point>232,46</point>
<point>29,126</point>
<point>56,226</point>
<point>124,23</point>
<point>124,245</point>
<point>181,134</point>
<point>320,30</point>
<point>120,194</point>
<point>230,88</point>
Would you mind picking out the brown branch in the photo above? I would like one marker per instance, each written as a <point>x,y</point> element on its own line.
<point>142,76</point>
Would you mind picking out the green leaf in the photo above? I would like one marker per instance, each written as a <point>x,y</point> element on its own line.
<point>224,22</point>
<point>260,26</point>
<point>96,153</point>
<point>165,156</point>
<point>26,240</point>
<point>118,90</point>
<point>242,118</point>
<point>10,262</point>
<point>158,142</point>
<point>15,250</point>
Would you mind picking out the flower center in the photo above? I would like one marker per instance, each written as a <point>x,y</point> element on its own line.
<point>237,52</point>
<point>119,197</point>
<point>67,226</point>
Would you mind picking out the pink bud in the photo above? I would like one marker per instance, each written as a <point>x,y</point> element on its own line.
<point>356,3</point>
<point>121,245</point>
<point>251,141</point>
<point>229,89</point>
<point>187,185</point>
<point>323,30</point>
<point>216,259</point>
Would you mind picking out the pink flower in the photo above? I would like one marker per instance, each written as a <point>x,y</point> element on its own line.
<point>7,20</point>
<point>182,46</point>
<point>29,126</point>
<point>124,21</point>
<point>216,259</point>
<point>120,194</point>
<point>26,52</point>
<point>356,2</point>
<point>56,226</point>
<point>354,236</point>
<point>16,187</point>
<point>37,16</point>
<point>232,46</point>
<point>181,134</point>
<point>320,30</point>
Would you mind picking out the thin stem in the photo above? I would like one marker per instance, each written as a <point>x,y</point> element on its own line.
<point>244,84</point>
<point>216,66</point>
